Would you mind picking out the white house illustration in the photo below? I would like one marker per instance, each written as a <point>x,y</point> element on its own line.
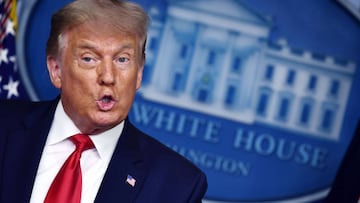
<point>215,57</point>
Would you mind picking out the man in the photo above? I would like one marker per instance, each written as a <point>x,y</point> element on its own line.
<point>95,56</point>
<point>346,186</point>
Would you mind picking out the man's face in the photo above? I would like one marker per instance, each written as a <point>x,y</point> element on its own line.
<point>98,70</point>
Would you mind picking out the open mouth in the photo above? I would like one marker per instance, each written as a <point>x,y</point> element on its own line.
<point>105,103</point>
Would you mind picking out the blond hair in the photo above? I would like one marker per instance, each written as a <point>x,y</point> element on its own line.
<point>125,16</point>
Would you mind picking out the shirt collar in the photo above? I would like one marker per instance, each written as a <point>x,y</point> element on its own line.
<point>63,128</point>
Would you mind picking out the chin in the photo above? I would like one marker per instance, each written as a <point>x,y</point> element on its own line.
<point>105,121</point>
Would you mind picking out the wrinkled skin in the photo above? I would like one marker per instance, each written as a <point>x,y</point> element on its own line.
<point>98,70</point>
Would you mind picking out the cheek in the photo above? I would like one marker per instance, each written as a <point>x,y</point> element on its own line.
<point>128,78</point>
<point>76,71</point>
<point>78,81</point>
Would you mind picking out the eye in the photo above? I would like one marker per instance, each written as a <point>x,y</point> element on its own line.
<point>122,59</point>
<point>87,59</point>
<point>123,62</point>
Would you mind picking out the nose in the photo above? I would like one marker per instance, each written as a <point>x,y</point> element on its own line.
<point>106,73</point>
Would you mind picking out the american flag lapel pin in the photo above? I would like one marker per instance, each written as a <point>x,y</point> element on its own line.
<point>130,180</point>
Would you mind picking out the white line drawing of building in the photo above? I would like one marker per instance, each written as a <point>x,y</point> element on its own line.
<point>215,57</point>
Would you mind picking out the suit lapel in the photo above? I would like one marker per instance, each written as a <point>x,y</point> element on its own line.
<point>24,147</point>
<point>127,160</point>
<point>23,152</point>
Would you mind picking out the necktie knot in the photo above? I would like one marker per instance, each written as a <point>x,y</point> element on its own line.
<point>82,142</point>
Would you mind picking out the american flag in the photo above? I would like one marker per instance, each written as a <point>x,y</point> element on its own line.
<point>10,84</point>
<point>130,180</point>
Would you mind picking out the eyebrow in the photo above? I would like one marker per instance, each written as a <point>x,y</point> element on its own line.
<point>93,47</point>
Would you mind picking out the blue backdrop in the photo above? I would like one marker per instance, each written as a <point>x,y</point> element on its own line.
<point>261,95</point>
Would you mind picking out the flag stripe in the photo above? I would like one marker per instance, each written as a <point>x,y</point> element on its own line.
<point>10,84</point>
<point>4,18</point>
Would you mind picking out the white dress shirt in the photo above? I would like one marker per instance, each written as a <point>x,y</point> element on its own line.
<point>58,148</point>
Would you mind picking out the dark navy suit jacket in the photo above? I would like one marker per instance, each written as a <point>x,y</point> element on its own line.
<point>346,186</point>
<point>162,176</point>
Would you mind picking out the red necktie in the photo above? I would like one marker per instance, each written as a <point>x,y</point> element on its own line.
<point>66,187</point>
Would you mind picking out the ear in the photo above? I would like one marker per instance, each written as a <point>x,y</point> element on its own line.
<point>54,71</point>
<point>139,76</point>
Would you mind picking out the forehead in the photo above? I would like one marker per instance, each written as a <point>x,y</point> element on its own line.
<point>100,34</point>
